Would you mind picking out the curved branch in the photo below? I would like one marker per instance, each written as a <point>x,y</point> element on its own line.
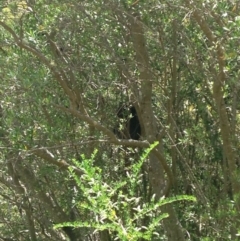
<point>48,156</point>
<point>59,75</point>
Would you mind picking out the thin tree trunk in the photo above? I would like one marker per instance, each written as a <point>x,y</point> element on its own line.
<point>158,180</point>
<point>218,82</point>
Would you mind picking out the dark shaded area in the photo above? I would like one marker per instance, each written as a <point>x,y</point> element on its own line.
<point>71,234</point>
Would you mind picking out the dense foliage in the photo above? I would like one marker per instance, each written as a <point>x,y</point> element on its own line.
<point>68,67</point>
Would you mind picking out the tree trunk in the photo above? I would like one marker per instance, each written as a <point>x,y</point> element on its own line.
<point>158,180</point>
<point>219,80</point>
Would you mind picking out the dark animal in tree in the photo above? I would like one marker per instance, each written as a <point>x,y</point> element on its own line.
<point>130,126</point>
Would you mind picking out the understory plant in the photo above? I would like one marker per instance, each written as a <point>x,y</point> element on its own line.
<point>115,206</point>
